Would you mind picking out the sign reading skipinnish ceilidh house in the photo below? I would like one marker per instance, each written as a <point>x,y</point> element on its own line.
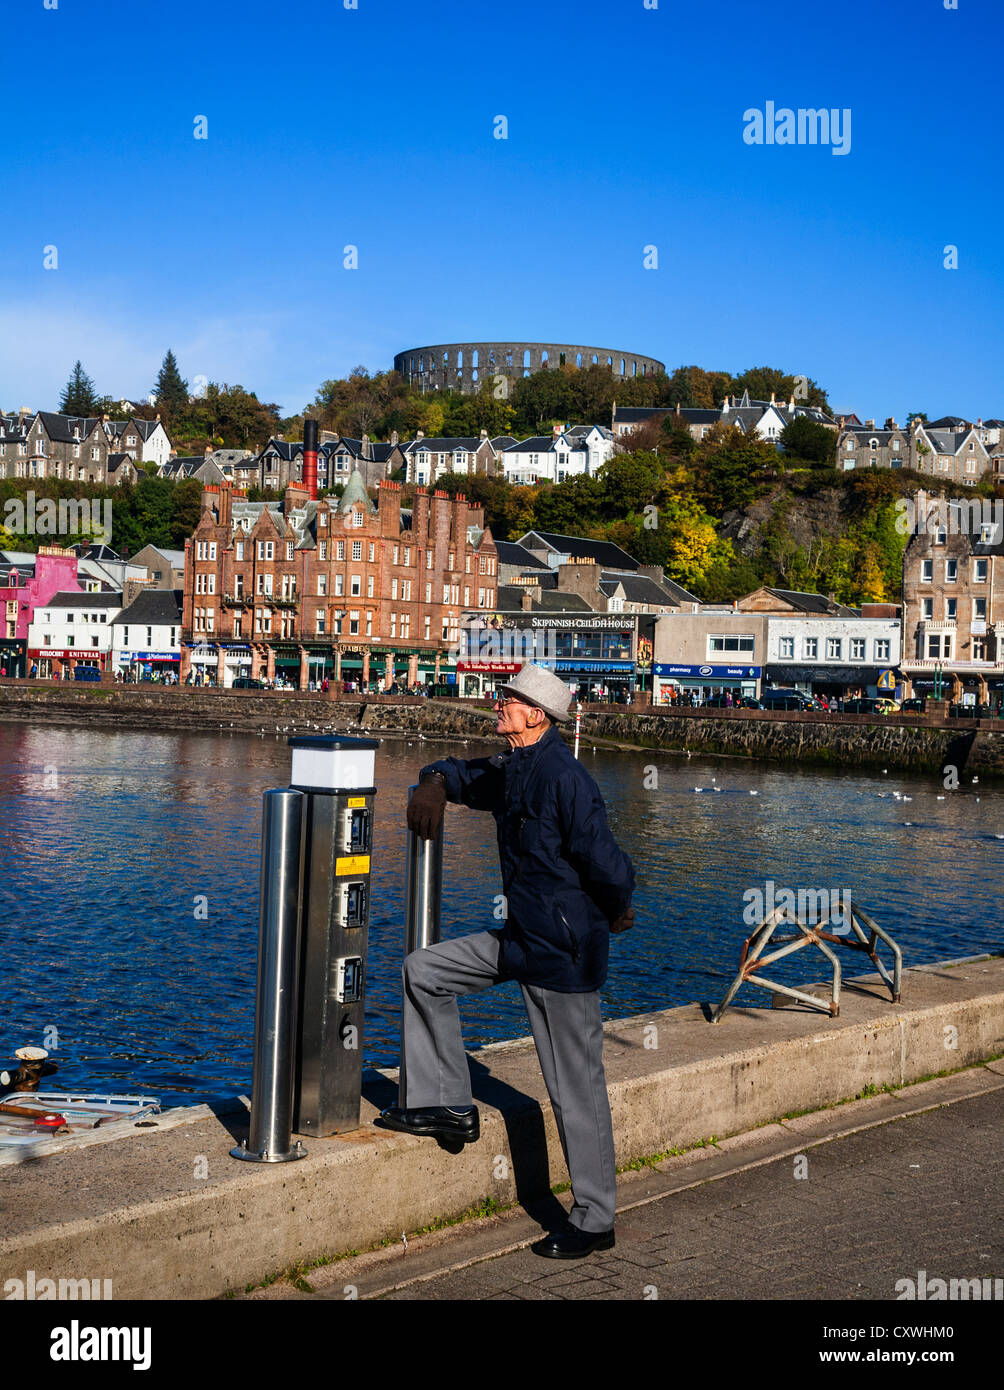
<point>595,653</point>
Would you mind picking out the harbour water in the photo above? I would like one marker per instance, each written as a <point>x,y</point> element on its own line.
<point>129,882</point>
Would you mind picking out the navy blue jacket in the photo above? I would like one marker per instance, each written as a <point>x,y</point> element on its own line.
<point>564,878</point>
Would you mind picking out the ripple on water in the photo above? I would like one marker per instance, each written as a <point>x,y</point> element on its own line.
<point>129,899</point>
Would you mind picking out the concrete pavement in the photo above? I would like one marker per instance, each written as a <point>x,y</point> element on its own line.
<point>841,1204</point>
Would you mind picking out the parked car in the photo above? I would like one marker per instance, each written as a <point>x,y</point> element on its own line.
<point>86,673</point>
<point>721,702</point>
<point>749,702</point>
<point>247,683</point>
<point>865,704</point>
<point>787,699</point>
<point>913,707</point>
<point>884,705</point>
<point>970,712</point>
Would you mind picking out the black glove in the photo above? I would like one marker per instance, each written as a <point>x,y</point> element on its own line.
<point>624,922</point>
<point>425,809</point>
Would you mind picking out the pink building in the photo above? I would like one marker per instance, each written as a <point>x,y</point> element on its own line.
<point>28,582</point>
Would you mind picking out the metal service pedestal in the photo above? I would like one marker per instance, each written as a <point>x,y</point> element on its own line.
<point>336,776</point>
<point>314,922</point>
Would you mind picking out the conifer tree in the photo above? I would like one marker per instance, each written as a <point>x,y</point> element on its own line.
<point>170,388</point>
<point>79,396</point>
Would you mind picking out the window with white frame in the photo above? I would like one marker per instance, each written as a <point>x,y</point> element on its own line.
<point>786,648</point>
<point>834,647</point>
<point>881,648</point>
<point>357,550</point>
<point>857,649</point>
<point>812,649</point>
<point>926,571</point>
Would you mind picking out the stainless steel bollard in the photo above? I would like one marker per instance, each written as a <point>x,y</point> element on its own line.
<point>278,975</point>
<point>423,889</point>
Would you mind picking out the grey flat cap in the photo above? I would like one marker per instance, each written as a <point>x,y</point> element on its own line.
<point>538,686</point>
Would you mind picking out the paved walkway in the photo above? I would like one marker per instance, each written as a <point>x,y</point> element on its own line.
<point>844,1217</point>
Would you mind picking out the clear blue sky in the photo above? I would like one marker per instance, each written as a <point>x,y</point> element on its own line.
<point>374,127</point>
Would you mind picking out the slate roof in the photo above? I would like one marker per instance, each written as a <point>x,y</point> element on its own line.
<point>443,445</point>
<point>512,554</point>
<point>636,413</point>
<point>355,491</point>
<point>104,554</point>
<point>641,588</point>
<point>115,461</point>
<point>84,600</point>
<point>60,428</point>
<point>153,607</point>
<point>536,444</point>
<point>605,553</point>
<point>812,603</point>
<point>175,558</point>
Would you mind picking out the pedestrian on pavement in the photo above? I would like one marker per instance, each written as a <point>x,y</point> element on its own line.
<point>567,886</point>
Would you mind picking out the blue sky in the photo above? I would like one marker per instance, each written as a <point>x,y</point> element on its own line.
<point>374,127</point>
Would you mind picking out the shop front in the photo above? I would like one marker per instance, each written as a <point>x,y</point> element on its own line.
<point>594,653</point>
<point>14,658</point>
<point>236,663</point>
<point>836,682</point>
<point>205,660</point>
<point>676,683</point>
<point>147,666</point>
<point>59,663</point>
<point>596,681</point>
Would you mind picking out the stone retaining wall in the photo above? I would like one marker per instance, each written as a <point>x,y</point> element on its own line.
<point>787,736</point>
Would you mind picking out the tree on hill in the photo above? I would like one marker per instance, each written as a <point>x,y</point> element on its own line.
<point>732,468</point>
<point>761,381</point>
<point>170,388</point>
<point>803,439</point>
<point>79,396</point>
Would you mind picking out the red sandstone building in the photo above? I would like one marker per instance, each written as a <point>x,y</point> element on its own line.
<point>339,587</point>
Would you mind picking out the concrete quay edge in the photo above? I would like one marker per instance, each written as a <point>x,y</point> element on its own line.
<point>167,1213</point>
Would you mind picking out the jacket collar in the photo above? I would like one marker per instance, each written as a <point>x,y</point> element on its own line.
<point>527,752</point>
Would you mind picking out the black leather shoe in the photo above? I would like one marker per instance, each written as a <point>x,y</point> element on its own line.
<point>573,1244</point>
<point>435,1120</point>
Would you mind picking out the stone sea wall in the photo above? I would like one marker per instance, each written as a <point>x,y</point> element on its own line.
<point>924,746</point>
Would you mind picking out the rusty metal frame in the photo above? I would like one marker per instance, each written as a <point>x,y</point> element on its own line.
<point>753,960</point>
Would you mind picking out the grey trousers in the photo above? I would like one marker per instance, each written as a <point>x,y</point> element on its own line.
<point>568,1034</point>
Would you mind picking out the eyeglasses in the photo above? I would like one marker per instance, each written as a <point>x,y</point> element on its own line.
<point>502,699</point>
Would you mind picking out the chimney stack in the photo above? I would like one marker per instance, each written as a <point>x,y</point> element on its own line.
<point>310,458</point>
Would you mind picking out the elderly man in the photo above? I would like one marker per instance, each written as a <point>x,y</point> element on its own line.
<point>567,886</point>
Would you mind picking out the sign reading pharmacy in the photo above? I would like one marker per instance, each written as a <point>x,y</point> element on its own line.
<point>666,668</point>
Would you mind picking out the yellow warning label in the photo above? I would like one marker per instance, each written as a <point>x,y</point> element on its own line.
<point>352,864</point>
<point>357,801</point>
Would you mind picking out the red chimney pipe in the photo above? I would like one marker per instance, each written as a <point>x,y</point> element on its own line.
<point>310,458</point>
